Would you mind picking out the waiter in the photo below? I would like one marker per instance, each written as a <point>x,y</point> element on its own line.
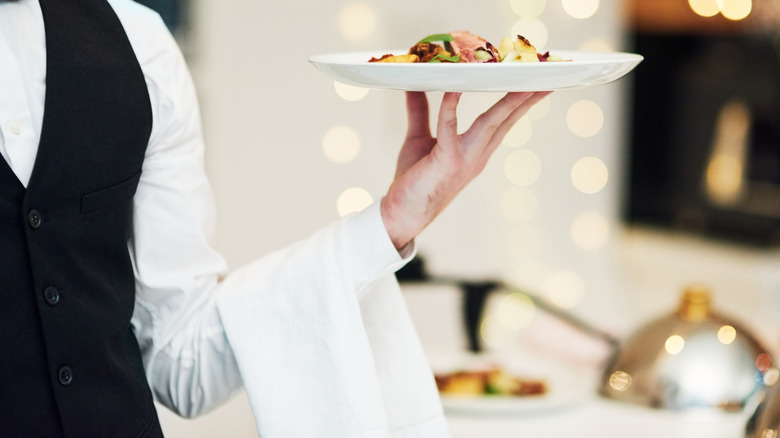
<point>111,291</point>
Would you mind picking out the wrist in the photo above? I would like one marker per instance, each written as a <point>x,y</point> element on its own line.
<point>393,222</point>
<point>390,221</point>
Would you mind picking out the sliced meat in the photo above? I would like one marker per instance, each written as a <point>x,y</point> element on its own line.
<point>467,44</point>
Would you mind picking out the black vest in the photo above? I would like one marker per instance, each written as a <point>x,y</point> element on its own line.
<point>70,365</point>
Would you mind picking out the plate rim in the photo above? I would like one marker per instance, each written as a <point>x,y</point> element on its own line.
<point>598,57</point>
<point>353,68</point>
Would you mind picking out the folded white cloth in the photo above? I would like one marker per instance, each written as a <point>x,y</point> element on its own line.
<point>319,359</point>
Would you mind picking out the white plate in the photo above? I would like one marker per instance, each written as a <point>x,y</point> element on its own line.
<point>565,389</point>
<point>556,399</point>
<point>586,69</point>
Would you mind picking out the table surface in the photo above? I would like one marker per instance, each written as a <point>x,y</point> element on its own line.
<point>602,418</point>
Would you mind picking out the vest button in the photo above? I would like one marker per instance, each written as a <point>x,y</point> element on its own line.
<point>51,295</point>
<point>65,375</point>
<point>34,218</point>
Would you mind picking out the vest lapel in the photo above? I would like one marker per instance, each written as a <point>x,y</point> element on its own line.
<point>7,175</point>
<point>87,57</point>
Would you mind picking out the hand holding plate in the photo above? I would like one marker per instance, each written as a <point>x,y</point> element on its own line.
<point>432,171</point>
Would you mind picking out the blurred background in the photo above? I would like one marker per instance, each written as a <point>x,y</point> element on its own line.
<point>604,202</point>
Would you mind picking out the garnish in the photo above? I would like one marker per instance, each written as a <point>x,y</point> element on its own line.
<point>439,58</point>
<point>445,37</point>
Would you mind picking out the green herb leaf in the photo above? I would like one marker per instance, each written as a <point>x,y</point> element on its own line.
<point>440,58</point>
<point>491,390</point>
<point>445,37</point>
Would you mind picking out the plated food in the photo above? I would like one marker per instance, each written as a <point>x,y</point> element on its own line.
<point>468,62</point>
<point>493,381</point>
<point>465,47</point>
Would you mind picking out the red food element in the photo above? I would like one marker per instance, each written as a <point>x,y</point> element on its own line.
<point>380,58</point>
<point>490,54</point>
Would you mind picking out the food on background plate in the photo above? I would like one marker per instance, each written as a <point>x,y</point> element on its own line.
<point>492,381</point>
<point>465,47</point>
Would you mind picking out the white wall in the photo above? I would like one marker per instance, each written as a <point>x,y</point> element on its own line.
<point>266,109</point>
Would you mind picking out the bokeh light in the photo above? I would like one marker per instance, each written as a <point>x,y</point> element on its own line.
<point>565,289</point>
<point>341,144</point>
<point>348,92</point>
<point>674,344</point>
<point>727,334</point>
<point>580,8</point>
<point>736,9</point>
<point>590,231</point>
<point>522,167</point>
<point>528,8</point>
<point>589,175</point>
<point>620,381</point>
<point>519,204</point>
<point>585,118</point>
<point>533,30</point>
<point>357,21</point>
<point>705,8</point>
<point>353,200</point>
<point>771,376</point>
<point>732,9</point>
<point>763,362</point>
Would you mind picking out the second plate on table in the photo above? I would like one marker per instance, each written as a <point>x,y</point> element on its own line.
<point>564,389</point>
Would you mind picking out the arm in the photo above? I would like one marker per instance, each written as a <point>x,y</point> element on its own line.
<point>289,327</point>
<point>188,360</point>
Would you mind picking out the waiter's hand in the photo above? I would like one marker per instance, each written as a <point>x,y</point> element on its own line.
<point>432,171</point>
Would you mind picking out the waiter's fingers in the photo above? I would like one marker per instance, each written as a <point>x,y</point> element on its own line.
<point>417,115</point>
<point>447,126</point>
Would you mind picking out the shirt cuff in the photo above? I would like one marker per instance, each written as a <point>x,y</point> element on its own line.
<point>368,251</point>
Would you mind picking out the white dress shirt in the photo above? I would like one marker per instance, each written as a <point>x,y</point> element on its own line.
<point>317,333</point>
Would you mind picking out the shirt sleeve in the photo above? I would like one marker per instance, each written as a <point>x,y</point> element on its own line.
<point>188,360</point>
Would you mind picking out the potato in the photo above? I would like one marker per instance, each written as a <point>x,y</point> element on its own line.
<point>518,50</point>
<point>398,58</point>
<point>505,47</point>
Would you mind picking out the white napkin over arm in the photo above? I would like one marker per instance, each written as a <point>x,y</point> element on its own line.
<point>324,342</point>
